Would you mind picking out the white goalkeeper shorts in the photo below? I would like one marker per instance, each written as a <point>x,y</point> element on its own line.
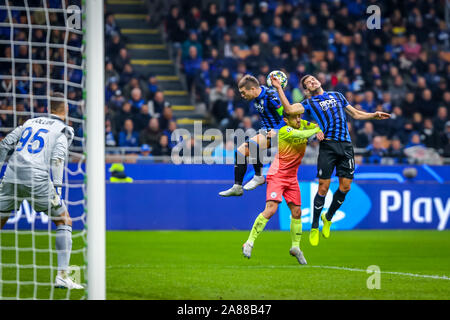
<point>39,197</point>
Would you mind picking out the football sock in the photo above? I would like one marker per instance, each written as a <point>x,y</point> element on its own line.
<point>258,227</point>
<point>63,246</point>
<point>240,167</point>
<point>296,232</point>
<point>258,166</point>
<point>254,155</point>
<point>338,199</point>
<point>318,206</point>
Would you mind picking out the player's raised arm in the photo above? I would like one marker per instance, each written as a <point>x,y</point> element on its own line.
<point>290,108</point>
<point>301,134</point>
<point>361,115</point>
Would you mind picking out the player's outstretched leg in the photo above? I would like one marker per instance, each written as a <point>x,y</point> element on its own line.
<point>296,234</point>
<point>258,226</point>
<point>319,201</point>
<point>326,226</point>
<point>63,244</point>
<point>240,167</point>
<point>338,199</point>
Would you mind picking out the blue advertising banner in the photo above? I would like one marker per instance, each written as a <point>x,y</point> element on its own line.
<point>185,197</point>
<point>380,206</point>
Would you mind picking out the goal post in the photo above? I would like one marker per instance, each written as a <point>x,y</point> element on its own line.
<point>95,159</point>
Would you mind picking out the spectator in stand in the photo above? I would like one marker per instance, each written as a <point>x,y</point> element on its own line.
<point>145,153</point>
<point>134,83</point>
<point>152,87</point>
<point>369,104</point>
<point>417,122</point>
<point>396,122</point>
<point>169,132</point>
<point>276,61</point>
<point>162,148</point>
<point>111,27</point>
<point>136,99</point>
<point>386,102</point>
<point>226,77</point>
<point>236,119</point>
<point>396,151</point>
<point>128,137</point>
<point>440,119</point>
<point>192,41</point>
<point>157,105</point>
<point>150,135</point>
<point>219,31</point>
<point>191,66</point>
<point>126,75</point>
<point>238,33</point>
<point>254,60</point>
<point>110,141</point>
<point>203,82</point>
<point>121,60</point>
<point>111,75</point>
<point>166,117</point>
<point>113,47</point>
<point>218,92</point>
<point>365,135</point>
<point>116,101</point>
<point>376,151</point>
<point>409,105</point>
<point>265,46</point>
<point>412,48</point>
<point>223,110</point>
<point>414,141</point>
<point>428,135</point>
<point>122,115</point>
<point>444,138</point>
<point>405,134</point>
<point>427,105</point>
<point>142,118</point>
<point>276,31</point>
<point>397,90</point>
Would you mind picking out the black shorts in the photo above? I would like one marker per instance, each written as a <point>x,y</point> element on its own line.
<point>335,154</point>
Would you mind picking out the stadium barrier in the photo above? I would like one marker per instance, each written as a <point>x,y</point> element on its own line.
<point>185,197</point>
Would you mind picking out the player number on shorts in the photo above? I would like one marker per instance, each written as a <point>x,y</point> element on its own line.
<point>26,134</point>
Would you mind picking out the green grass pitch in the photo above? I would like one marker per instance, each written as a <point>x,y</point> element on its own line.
<point>210,265</point>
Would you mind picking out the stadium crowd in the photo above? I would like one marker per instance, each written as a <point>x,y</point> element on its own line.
<point>402,68</point>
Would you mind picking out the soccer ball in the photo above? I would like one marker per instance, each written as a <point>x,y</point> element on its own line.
<point>280,75</point>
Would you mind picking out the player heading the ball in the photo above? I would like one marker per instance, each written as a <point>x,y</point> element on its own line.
<point>270,109</point>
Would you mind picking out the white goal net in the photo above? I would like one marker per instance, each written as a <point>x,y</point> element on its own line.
<point>42,52</point>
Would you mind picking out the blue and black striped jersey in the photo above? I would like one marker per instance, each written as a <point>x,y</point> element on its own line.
<point>268,105</point>
<point>328,109</point>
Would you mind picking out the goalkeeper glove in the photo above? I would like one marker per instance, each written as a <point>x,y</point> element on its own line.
<point>56,200</point>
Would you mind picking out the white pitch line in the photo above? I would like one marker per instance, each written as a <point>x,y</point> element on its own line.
<point>387,272</point>
<point>407,274</point>
<point>349,269</point>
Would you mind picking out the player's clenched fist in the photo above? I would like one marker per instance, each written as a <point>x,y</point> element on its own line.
<point>320,136</point>
<point>275,82</point>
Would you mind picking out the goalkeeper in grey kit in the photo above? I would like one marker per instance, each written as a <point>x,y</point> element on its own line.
<point>40,148</point>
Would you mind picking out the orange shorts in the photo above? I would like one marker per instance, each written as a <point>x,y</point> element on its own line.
<point>286,187</point>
